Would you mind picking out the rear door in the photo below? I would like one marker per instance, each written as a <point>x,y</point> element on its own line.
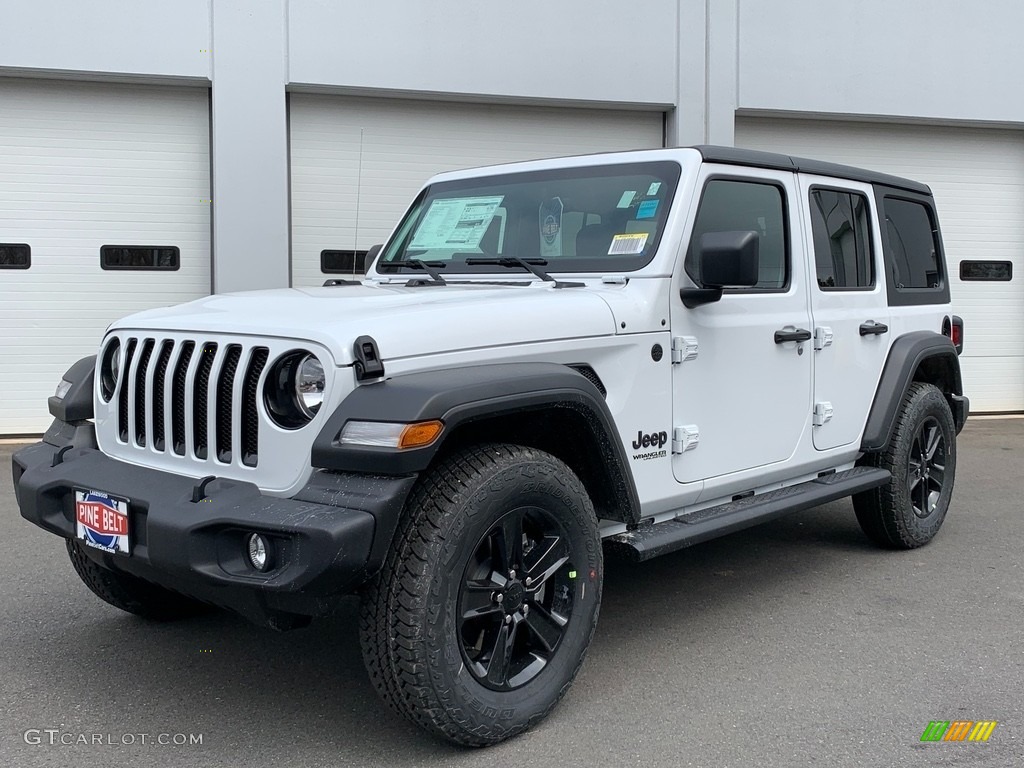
<point>848,304</point>
<point>746,393</point>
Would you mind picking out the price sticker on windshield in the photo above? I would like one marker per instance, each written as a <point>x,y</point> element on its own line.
<point>627,244</point>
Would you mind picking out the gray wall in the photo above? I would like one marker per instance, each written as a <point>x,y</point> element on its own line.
<point>573,50</point>
<point>936,59</point>
<point>114,37</point>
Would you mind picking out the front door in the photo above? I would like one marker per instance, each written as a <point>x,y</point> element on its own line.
<point>747,393</point>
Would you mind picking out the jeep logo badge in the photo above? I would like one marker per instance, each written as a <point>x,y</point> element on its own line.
<point>653,440</point>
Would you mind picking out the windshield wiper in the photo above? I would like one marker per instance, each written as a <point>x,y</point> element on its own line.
<point>530,265</point>
<point>430,267</point>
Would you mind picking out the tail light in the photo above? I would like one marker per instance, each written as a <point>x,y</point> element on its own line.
<point>955,331</point>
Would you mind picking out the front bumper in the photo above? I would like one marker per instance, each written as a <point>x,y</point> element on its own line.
<point>327,540</point>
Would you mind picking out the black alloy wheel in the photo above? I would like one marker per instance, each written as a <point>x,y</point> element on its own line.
<point>926,467</point>
<point>908,511</point>
<point>516,598</point>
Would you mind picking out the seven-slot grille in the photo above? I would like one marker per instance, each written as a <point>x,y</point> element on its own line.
<point>189,396</point>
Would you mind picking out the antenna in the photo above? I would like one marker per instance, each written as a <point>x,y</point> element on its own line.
<point>359,191</point>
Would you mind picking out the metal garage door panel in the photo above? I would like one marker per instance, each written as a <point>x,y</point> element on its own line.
<point>404,143</point>
<point>977,175</point>
<point>84,165</point>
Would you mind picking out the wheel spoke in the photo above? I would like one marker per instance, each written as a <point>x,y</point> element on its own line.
<point>933,443</point>
<point>553,555</point>
<point>508,542</point>
<point>501,656</point>
<point>476,599</point>
<point>544,626</point>
<point>924,509</point>
<point>913,481</point>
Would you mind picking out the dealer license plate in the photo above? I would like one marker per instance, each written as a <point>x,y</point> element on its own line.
<point>102,521</point>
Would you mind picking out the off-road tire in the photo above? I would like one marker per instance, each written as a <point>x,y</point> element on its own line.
<point>130,593</point>
<point>412,625</point>
<point>887,514</point>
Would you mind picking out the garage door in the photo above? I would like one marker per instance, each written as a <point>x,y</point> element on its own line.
<point>83,166</point>
<point>335,187</point>
<point>977,175</point>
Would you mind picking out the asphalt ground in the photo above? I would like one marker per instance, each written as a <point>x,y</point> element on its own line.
<point>796,643</point>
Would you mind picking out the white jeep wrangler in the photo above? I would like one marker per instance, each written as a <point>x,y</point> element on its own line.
<point>648,349</point>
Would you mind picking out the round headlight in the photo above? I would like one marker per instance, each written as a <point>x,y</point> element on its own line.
<point>309,385</point>
<point>294,389</point>
<point>110,369</point>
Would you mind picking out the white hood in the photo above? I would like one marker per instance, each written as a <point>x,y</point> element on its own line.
<point>404,321</point>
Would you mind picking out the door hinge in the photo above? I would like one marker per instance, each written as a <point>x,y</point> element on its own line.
<point>822,337</point>
<point>822,413</point>
<point>684,348</point>
<point>685,438</point>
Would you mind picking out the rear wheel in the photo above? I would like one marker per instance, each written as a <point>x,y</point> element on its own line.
<point>910,509</point>
<point>130,593</point>
<point>482,615</point>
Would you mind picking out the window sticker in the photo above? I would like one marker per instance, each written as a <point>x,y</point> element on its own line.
<point>647,209</point>
<point>550,218</point>
<point>459,223</point>
<point>626,199</point>
<point>653,189</point>
<point>626,244</point>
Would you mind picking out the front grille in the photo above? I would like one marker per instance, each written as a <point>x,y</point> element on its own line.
<point>122,399</point>
<point>250,415</point>
<point>159,387</point>
<point>178,398</point>
<point>166,395</point>
<point>225,382</point>
<point>201,401</point>
<point>140,393</point>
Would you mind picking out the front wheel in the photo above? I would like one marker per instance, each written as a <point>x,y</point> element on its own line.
<point>921,456</point>
<point>482,614</point>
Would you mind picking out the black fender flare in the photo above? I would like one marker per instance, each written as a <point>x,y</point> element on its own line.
<point>906,355</point>
<point>76,405</point>
<point>458,396</point>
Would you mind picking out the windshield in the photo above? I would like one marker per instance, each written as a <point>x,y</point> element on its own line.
<point>592,219</point>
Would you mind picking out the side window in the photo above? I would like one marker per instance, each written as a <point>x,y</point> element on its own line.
<point>914,252</point>
<point>842,240</point>
<point>730,205</point>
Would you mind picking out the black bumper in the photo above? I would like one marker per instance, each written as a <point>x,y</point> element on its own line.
<point>327,540</point>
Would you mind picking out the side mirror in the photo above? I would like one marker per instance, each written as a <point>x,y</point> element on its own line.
<point>371,254</point>
<point>727,260</point>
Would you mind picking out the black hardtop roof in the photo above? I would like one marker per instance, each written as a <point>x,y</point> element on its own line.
<point>777,161</point>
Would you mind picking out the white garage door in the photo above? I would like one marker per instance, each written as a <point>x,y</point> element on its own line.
<point>977,175</point>
<point>403,144</point>
<point>83,166</point>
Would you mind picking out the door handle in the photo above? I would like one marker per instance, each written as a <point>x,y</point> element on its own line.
<point>871,328</point>
<point>797,334</point>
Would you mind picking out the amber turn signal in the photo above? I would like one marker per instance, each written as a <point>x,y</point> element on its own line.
<point>420,434</point>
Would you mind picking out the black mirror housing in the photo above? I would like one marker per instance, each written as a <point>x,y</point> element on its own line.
<point>729,259</point>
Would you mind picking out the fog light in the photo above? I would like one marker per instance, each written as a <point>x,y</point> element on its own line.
<point>259,552</point>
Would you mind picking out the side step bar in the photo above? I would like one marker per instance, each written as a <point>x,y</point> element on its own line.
<point>685,530</point>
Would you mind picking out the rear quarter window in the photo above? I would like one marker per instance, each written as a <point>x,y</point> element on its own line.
<point>914,258</point>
